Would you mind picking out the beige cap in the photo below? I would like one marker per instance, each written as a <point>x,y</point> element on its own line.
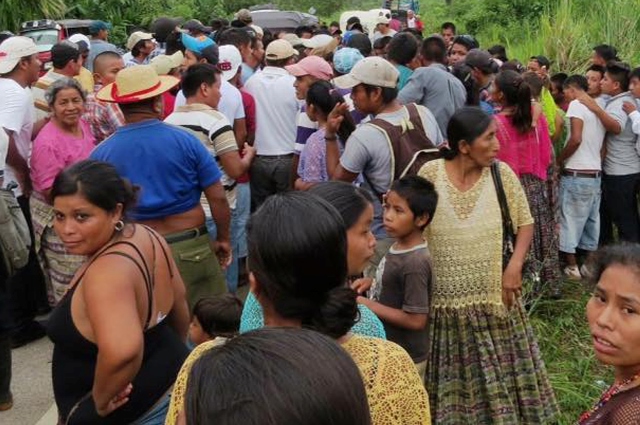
<point>244,15</point>
<point>258,30</point>
<point>373,71</point>
<point>293,39</point>
<point>280,49</point>
<point>165,63</point>
<point>137,37</point>
<point>383,18</point>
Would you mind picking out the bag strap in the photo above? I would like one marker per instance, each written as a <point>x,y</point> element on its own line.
<point>507,224</point>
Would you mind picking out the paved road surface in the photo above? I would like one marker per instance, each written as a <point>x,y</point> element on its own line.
<point>31,386</point>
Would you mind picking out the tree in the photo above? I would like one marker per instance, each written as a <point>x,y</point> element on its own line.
<point>14,12</point>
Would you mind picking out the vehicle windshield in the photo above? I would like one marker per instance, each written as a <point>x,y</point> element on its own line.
<point>44,39</point>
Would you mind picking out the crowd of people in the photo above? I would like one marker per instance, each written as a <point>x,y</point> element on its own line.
<point>383,196</point>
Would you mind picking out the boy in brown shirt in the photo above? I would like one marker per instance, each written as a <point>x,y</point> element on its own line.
<point>400,294</point>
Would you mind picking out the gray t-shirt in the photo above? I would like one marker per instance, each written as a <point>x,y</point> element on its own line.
<point>622,158</point>
<point>368,152</point>
<point>438,90</point>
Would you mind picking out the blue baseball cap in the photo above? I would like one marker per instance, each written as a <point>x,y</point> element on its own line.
<point>344,59</point>
<point>97,26</point>
<point>196,44</point>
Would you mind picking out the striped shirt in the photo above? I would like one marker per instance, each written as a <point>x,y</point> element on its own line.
<point>216,134</point>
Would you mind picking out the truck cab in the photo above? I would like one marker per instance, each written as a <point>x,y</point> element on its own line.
<point>46,32</point>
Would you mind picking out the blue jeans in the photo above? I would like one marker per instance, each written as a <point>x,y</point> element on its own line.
<point>158,414</point>
<point>231,274</point>
<point>579,213</point>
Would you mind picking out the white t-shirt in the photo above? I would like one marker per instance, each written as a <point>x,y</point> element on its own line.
<point>587,156</point>
<point>17,116</point>
<point>4,147</point>
<point>276,110</point>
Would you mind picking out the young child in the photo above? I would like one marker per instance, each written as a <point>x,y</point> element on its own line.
<point>403,281</point>
<point>321,98</point>
<point>632,108</point>
<point>215,318</point>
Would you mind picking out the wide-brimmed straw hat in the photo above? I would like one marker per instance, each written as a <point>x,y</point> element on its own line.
<point>135,84</point>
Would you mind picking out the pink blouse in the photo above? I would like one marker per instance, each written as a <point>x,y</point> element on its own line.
<point>54,150</point>
<point>528,153</point>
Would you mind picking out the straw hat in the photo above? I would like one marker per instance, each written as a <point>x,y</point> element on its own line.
<point>135,84</point>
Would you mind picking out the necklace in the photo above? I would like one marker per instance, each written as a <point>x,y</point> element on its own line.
<point>606,396</point>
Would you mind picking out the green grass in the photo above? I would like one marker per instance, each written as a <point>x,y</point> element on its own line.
<point>575,374</point>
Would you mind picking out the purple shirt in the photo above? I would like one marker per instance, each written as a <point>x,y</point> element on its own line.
<point>313,159</point>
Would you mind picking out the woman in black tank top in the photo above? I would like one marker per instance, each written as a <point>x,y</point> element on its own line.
<point>119,333</point>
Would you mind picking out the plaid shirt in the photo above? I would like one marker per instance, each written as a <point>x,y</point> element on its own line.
<point>103,117</point>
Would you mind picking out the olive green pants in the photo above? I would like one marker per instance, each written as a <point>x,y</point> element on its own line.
<point>199,268</point>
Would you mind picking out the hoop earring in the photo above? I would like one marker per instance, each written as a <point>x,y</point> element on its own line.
<point>119,226</point>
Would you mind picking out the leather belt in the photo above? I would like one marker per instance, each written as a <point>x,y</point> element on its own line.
<point>186,235</point>
<point>592,175</point>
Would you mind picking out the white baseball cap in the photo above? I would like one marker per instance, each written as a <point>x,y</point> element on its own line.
<point>317,41</point>
<point>373,71</point>
<point>13,49</point>
<point>75,38</point>
<point>137,37</point>
<point>230,61</point>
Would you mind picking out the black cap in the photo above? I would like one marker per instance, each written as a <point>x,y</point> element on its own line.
<point>194,25</point>
<point>211,54</point>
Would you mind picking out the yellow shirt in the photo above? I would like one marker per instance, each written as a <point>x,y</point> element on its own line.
<point>465,238</point>
<point>85,78</point>
<point>394,389</point>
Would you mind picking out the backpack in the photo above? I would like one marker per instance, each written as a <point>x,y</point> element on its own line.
<point>410,146</point>
<point>15,238</point>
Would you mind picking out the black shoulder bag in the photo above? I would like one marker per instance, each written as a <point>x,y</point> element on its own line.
<point>508,237</point>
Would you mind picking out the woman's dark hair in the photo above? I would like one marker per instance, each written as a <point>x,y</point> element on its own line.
<point>624,254</point>
<point>462,72</point>
<point>535,83</point>
<point>467,123</point>
<point>513,65</point>
<point>517,94</point>
<point>606,52</point>
<point>635,73</point>
<point>219,315</point>
<point>350,201</point>
<point>297,247</point>
<point>275,376</point>
<point>324,96</point>
<point>360,42</point>
<point>98,182</point>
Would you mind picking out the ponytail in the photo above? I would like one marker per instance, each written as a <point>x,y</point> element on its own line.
<point>517,94</point>
<point>522,118</point>
<point>336,315</point>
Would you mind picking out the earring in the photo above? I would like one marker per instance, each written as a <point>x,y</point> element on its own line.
<point>119,226</point>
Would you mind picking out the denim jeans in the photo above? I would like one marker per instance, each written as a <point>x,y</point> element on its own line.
<point>579,213</point>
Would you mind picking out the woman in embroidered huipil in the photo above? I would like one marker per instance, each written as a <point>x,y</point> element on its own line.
<point>484,364</point>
